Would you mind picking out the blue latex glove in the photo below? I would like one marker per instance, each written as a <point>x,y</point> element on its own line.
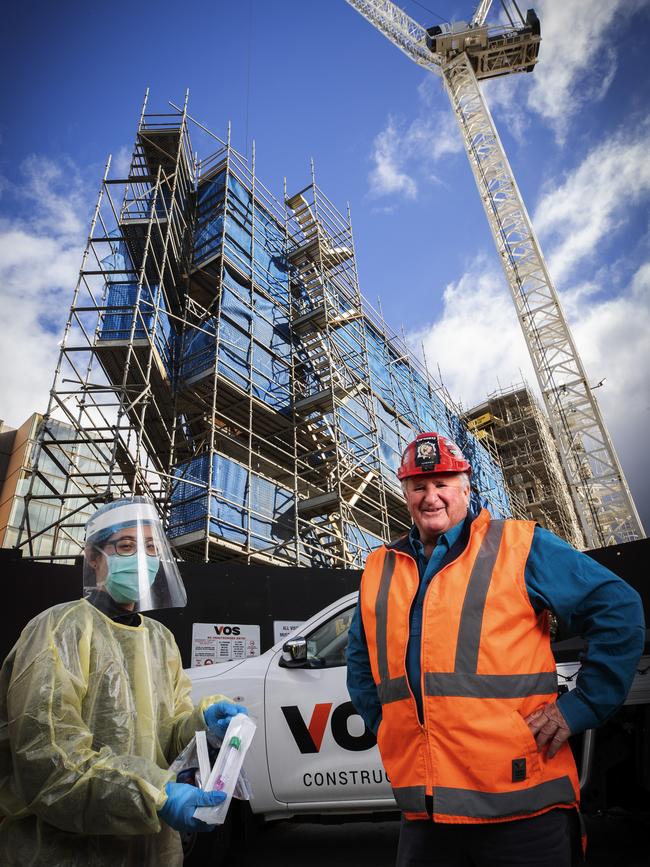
<point>218,715</point>
<point>182,801</point>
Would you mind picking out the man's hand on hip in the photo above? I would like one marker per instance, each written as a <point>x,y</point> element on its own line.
<point>549,728</point>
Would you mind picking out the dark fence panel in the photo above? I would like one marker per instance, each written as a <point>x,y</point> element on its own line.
<point>216,593</point>
<point>237,593</point>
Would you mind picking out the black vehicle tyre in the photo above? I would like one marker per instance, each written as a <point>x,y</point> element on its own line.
<point>210,849</point>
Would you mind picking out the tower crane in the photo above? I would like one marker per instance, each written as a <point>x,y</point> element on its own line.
<point>462,54</point>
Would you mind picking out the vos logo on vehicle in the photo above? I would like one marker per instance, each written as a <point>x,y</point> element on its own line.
<point>310,737</point>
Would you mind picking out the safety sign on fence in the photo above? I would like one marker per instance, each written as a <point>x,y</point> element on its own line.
<point>284,628</point>
<point>223,642</point>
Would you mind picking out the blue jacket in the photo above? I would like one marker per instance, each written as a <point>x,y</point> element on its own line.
<point>586,597</point>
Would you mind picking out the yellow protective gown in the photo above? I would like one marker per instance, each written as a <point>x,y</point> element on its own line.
<point>91,715</point>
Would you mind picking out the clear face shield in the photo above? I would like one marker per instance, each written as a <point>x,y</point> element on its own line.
<point>127,556</point>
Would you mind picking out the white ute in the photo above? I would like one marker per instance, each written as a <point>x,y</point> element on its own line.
<point>312,754</point>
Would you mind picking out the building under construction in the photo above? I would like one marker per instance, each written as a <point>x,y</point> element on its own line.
<point>219,357</point>
<point>17,452</point>
<point>513,421</point>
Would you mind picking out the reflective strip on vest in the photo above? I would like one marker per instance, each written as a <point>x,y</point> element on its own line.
<point>493,805</point>
<point>485,805</point>
<point>411,799</point>
<point>396,689</point>
<point>471,617</point>
<point>393,689</point>
<point>465,685</point>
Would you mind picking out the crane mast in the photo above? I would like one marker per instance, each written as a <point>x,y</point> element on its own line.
<point>461,54</point>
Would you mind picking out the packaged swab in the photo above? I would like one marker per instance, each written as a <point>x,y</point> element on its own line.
<point>203,757</point>
<point>225,773</point>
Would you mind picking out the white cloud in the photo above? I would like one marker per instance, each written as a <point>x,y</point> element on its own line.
<point>121,162</point>
<point>577,63</point>
<point>40,256</point>
<point>387,177</point>
<point>404,155</point>
<point>594,201</point>
<point>57,195</point>
<point>476,338</point>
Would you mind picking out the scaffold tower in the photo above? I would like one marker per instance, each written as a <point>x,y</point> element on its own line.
<point>220,358</point>
<point>513,420</point>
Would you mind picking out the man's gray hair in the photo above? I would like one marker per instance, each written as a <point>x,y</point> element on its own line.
<point>464,477</point>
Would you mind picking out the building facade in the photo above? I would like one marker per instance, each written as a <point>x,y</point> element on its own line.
<point>56,517</point>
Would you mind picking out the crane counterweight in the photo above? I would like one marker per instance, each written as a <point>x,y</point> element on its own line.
<point>491,51</point>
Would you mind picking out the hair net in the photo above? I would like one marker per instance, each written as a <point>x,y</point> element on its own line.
<point>117,515</point>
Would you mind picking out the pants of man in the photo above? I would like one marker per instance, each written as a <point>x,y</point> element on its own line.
<point>542,841</point>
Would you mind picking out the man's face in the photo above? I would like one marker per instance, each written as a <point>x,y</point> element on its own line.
<point>436,502</point>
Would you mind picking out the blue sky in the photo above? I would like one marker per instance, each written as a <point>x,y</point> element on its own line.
<point>314,79</point>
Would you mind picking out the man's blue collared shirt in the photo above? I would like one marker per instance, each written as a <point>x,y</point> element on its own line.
<point>445,544</point>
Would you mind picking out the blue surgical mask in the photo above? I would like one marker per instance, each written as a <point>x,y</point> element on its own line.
<point>123,578</point>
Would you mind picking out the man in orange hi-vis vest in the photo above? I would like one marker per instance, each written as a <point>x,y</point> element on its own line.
<point>450,664</point>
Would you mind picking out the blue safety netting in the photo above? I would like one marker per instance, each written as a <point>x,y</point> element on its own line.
<point>208,232</point>
<point>355,433</point>
<point>393,435</point>
<point>198,350</point>
<point>238,241</point>
<point>239,505</point>
<point>348,344</point>
<point>270,264</point>
<point>133,310</point>
<point>249,344</point>
<point>228,218</point>
<point>249,340</point>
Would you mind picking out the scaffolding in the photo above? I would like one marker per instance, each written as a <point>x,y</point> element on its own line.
<point>219,357</point>
<point>513,420</point>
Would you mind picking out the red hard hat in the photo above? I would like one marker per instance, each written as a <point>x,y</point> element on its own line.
<point>432,453</point>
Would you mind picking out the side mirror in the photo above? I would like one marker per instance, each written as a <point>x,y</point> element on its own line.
<point>294,653</point>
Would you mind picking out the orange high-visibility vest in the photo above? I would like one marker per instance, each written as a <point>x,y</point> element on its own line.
<point>486,664</point>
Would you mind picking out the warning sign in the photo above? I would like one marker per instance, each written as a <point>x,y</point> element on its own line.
<point>283,628</point>
<point>223,642</point>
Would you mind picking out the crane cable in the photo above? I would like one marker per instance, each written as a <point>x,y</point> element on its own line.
<point>430,11</point>
<point>248,68</point>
